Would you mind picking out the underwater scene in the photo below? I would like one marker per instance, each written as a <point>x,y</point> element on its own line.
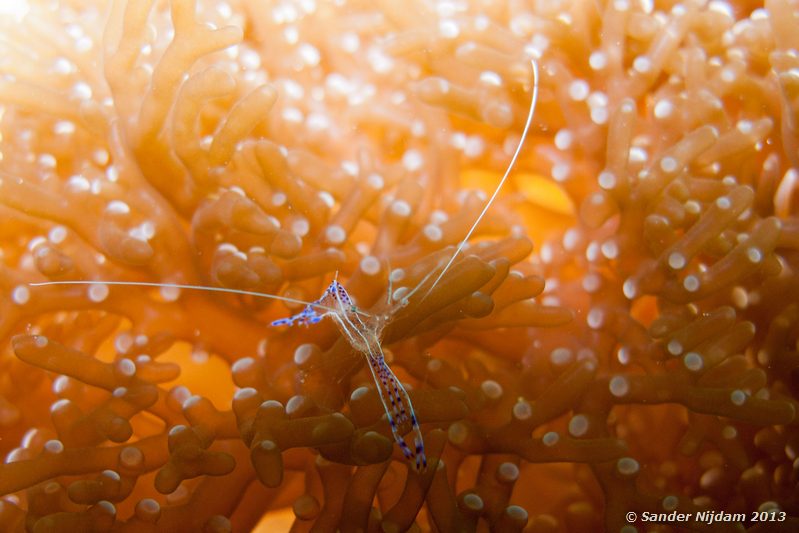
<point>399,265</point>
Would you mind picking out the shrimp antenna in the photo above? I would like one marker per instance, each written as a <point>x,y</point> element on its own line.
<point>533,100</point>
<point>193,288</point>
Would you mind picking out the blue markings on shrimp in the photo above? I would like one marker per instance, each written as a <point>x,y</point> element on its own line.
<point>399,418</point>
<point>311,313</point>
<point>306,317</point>
<point>336,304</point>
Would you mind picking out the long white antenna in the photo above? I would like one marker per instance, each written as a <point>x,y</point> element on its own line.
<point>458,250</point>
<point>527,124</point>
<point>190,287</point>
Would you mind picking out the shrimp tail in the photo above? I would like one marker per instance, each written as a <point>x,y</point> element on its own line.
<point>399,411</point>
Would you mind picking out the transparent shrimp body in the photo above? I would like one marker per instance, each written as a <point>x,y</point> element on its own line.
<point>364,337</point>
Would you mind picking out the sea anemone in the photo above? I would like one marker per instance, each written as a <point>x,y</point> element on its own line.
<point>616,342</point>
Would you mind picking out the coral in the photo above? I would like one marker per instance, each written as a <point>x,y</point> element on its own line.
<point>620,333</point>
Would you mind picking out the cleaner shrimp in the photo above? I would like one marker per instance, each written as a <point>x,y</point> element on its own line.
<point>362,329</point>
